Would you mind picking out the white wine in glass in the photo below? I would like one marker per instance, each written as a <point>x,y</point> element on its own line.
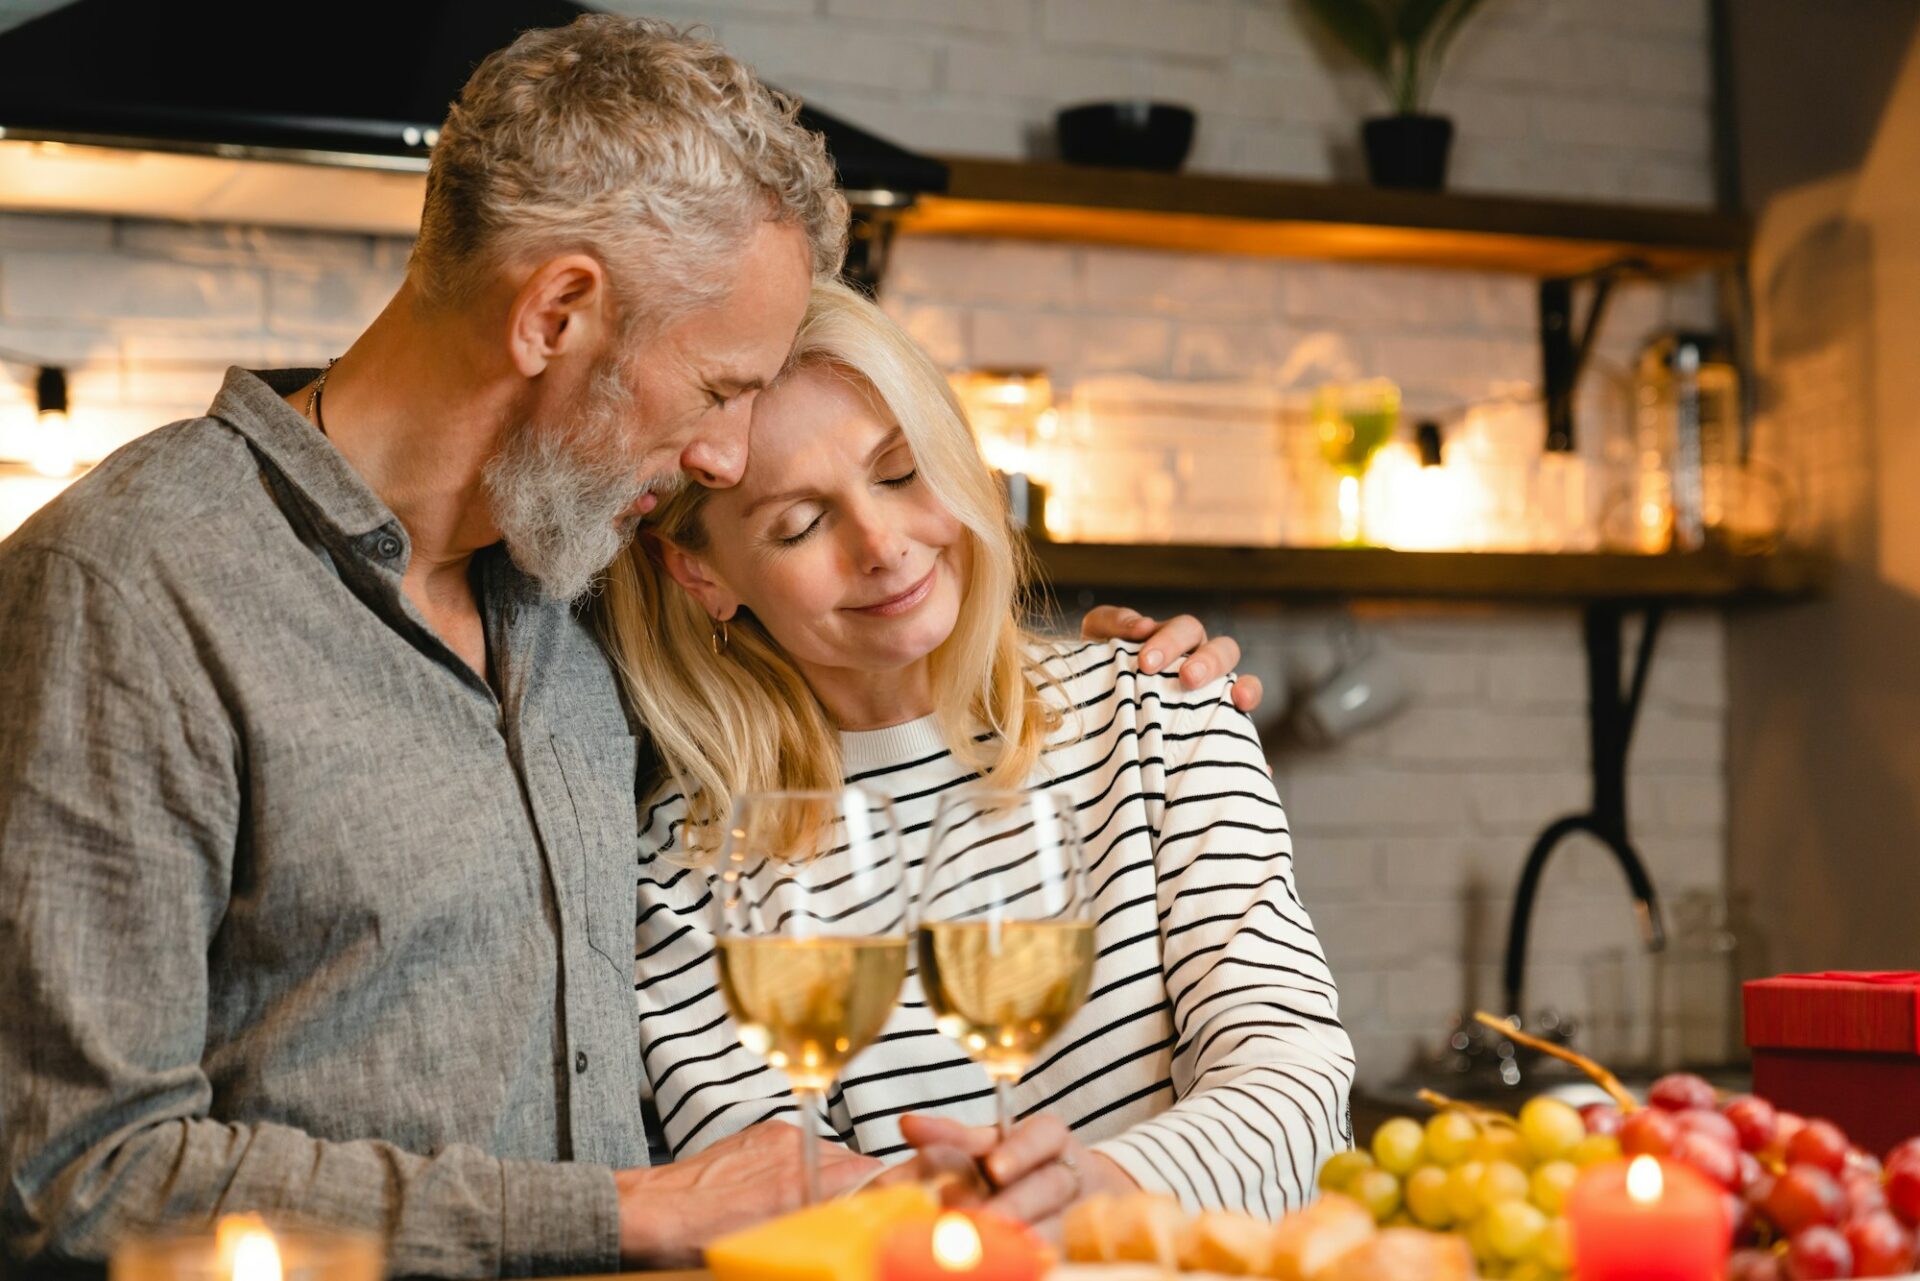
<point>1005,942</point>
<point>812,946</point>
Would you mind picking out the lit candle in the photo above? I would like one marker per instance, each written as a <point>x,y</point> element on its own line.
<point>1648,1220</point>
<point>246,1247</point>
<point>961,1246</point>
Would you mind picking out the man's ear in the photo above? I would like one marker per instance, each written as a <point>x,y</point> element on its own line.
<point>560,309</point>
<point>698,580</point>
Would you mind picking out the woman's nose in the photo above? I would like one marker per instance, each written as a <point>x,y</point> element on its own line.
<point>878,545</point>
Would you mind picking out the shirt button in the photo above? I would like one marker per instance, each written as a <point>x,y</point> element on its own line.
<point>386,547</point>
<point>580,1061</point>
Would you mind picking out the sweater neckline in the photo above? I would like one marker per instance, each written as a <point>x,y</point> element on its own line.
<point>867,749</point>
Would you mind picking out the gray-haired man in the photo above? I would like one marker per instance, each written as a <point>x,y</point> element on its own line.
<point>316,795</point>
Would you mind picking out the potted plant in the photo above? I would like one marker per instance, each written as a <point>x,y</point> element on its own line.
<point>1402,42</point>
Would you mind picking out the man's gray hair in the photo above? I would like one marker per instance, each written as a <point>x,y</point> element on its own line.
<point>648,147</point>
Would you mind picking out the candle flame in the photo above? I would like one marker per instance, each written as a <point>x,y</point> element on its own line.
<point>1644,1182</point>
<point>956,1243</point>
<point>246,1248</point>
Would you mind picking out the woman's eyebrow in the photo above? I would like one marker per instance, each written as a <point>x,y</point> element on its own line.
<point>767,500</point>
<point>887,442</point>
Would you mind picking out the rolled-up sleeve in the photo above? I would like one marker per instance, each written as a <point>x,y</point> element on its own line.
<point>121,800</point>
<point>1261,1066</point>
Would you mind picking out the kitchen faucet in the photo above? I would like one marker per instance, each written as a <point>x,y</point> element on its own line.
<point>1610,717</point>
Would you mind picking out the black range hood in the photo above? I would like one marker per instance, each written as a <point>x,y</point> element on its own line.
<point>361,83</point>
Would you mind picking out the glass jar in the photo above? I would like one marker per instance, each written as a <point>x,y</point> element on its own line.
<point>1688,439</point>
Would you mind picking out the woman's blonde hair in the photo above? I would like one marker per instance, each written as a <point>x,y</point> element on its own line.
<point>649,147</point>
<point>727,720</point>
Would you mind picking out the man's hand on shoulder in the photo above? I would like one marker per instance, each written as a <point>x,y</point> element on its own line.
<point>1162,643</point>
<point>669,1213</point>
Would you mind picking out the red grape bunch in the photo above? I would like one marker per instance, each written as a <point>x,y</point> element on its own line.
<point>1805,1203</point>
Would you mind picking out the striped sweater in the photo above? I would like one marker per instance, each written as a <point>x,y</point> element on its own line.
<point>1208,1060</point>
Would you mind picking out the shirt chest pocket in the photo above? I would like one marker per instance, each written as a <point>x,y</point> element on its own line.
<point>600,774</point>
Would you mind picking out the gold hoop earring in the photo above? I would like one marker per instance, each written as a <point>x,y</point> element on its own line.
<point>719,635</point>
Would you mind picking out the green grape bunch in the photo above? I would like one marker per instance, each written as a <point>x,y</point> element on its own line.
<point>1500,1182</point>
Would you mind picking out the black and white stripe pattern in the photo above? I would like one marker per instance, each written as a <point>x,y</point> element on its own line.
<point>1209,1060</point>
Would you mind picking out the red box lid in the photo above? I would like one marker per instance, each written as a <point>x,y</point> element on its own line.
<point>1866,1011</point>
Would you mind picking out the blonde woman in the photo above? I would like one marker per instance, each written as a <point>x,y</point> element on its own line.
<point>848,611</point>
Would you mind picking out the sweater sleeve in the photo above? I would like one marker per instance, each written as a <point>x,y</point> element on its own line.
<point>1261,1064</point>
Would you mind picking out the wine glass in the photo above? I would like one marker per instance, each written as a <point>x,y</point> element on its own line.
<point>812,941</point>
<point>1353,421</point>
<point>1005,940</point>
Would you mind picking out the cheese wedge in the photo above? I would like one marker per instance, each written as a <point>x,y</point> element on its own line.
<point>837,1241</point>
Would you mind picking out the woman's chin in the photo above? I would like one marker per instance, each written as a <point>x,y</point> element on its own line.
<point>900,642</point>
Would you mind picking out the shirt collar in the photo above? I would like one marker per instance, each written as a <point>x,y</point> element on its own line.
<point>251,403</point>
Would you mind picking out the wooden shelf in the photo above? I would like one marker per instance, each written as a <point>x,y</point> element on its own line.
<point>1700,577</point>
<point>994,198</point>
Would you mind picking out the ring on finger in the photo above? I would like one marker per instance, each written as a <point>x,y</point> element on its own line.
<point>1072,1164</point>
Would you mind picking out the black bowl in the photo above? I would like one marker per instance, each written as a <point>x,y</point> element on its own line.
<point>1125,135</point>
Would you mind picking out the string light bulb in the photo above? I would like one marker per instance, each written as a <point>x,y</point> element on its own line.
<point>53,454</point>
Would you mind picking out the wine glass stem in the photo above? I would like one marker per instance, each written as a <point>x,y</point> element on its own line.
<point>809,1146</point>
<point>1003,1105</point>
<point>1352,514</point>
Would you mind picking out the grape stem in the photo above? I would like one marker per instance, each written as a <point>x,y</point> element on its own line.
<point>1472,1111</point>
<point>1601,1077</point>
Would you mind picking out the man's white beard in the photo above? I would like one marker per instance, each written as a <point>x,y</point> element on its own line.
<point>559,493</point>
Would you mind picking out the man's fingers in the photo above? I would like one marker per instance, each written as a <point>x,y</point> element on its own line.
<point>1034,1143</point>
<point>1114,622</point>
<point>1248,693</point>
<point>1180,635</point>
<point>846,1172</point>
<point>1215,658</point>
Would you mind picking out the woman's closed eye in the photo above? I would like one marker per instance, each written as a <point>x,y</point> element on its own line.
<point>792,531</point>
<point>901,481</point>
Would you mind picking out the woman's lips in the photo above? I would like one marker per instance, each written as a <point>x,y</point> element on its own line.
<point>900,604</point>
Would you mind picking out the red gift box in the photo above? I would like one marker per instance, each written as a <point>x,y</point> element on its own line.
<point>1844,1046</point>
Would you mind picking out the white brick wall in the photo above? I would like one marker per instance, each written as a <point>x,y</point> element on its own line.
<point>1410,837</point>
<point>1551,97</point>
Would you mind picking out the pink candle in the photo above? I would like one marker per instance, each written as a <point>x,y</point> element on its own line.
<point>1647,1220</point>
<point>961,1246</point>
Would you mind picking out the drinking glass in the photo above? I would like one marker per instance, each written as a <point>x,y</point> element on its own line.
<point>1353,421</point>
<point>1005,939</point>
<point>812,942</point>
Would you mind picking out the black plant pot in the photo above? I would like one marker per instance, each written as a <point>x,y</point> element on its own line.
<point>1408,151</point>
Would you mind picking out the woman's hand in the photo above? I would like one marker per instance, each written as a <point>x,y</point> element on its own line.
<point>1161,643</point>
<point>1034,1176</point>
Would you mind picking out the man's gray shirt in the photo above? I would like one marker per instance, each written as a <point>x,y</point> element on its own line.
<point>295,912</point>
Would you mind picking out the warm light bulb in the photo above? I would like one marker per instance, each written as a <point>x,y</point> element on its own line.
<point>52,451</point>
<point>1644,1181</point>
<point>52,448</point>
<point>956,1243</point>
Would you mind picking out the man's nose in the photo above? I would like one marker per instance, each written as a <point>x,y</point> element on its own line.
<point>717,457</point>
